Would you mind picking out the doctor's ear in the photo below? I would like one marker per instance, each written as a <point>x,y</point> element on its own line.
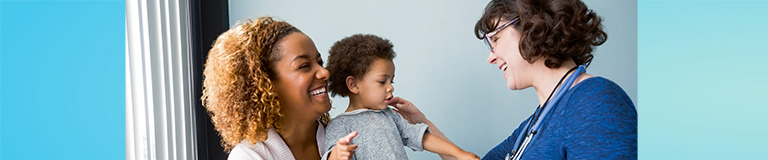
<point>351,82</point>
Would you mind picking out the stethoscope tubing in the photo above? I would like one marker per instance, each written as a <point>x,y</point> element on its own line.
<point>562,89</point>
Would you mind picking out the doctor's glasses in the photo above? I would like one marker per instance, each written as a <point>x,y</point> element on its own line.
<point>487,38</point>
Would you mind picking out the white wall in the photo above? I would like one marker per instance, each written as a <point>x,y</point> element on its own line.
<point>441,66</point>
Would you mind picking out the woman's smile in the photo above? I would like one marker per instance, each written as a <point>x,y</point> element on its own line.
<point>319,92</point>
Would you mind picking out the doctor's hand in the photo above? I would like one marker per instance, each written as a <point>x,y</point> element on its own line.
<point>407,110</point>
<point>467,156</point>
<point>344,149</point>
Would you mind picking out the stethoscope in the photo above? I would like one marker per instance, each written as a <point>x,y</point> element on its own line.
<point>528,133</point>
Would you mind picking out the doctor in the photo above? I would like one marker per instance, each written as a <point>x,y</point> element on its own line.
<point>547,45</point>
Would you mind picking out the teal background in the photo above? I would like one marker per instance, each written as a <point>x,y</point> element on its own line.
<point>702,79</point>
<point>62,80</point>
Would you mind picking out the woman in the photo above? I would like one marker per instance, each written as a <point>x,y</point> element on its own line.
<point>546,44</point>
<point>265,89</point>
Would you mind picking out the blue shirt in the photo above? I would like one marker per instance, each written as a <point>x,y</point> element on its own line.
<point>594,120</point>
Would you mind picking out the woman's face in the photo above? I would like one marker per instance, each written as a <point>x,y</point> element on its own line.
<point>301,79</point>
<point>506,56</point>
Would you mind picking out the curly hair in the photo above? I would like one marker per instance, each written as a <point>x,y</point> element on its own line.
<point>352,56</point>
<point>238,89</point>
<point>557,30</point>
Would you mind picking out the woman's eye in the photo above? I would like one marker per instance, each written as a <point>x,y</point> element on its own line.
<point>304,65</point>
<point>392,82</point>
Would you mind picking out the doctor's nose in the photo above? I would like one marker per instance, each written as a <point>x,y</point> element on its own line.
<point>492,58</point>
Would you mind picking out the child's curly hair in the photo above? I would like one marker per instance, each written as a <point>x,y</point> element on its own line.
<point>352,56</point>
<point>557,30</point>
<point>237,81</point>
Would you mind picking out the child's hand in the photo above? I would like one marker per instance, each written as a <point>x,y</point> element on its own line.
<point>343,150</point>
<point>467,156</point>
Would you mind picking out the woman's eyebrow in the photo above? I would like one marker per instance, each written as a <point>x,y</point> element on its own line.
<point>303,56</point>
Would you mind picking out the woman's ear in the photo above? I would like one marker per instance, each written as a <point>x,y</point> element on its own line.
<point>352,85</point>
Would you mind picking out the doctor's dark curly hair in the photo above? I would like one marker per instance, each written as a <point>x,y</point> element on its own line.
<point>353,56</point>
<point>557,30</point>
<point>238,89</point>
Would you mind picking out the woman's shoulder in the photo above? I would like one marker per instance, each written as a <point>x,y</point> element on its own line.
<point>247,151</point>
<point>598,96</point>
<point>272,148</point>
<point>597,90</point>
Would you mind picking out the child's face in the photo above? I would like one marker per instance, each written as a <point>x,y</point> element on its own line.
<point>376,85</point>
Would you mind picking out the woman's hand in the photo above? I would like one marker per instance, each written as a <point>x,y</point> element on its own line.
<point>408,110</point>
<point>343,149</point>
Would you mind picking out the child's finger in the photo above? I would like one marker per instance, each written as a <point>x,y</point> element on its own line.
<point>347,149</point>
<point>352,148</point>
<point>349,136</point>
<point>346,139</point>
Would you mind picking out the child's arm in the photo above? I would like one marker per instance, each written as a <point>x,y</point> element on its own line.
<point>441,146</point>
<point>343,150</point>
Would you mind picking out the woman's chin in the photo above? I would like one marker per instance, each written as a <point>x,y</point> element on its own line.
<point>326,106</point>
<point>511,85</point>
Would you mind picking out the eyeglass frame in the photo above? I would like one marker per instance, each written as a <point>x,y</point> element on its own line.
<point>497,30</point>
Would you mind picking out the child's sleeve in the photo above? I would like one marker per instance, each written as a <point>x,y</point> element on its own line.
<point>411,134</point>
<point>333,132</point>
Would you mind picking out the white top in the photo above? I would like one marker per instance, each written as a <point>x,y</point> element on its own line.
<point>274,148</point>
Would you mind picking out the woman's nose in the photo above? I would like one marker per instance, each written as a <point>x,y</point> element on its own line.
<point>322,74</point>
<point>492,58</point>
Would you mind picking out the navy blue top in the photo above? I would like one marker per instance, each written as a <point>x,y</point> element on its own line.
<point>594,120</point>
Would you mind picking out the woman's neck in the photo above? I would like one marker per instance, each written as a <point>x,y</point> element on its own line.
<point>299,133</point>
<point>547,79</point>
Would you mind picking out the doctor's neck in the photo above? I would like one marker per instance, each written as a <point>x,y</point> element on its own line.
<point>546,79</point>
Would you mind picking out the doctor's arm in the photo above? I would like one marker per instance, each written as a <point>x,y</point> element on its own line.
<point>413,115</point>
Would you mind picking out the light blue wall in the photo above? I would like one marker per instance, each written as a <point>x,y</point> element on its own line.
<point>441,66</point>
<point>62,80</point>
<point>703,79</point>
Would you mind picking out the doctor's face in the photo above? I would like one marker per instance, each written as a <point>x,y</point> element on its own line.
<point>506,57</point>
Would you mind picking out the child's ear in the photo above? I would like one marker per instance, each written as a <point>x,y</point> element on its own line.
<point>352,85</point>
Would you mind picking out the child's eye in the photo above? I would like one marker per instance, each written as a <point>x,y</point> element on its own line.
<point>392,82</point>
<point>320,62</point>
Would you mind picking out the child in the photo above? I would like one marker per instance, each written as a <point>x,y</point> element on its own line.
<point>361,68</point>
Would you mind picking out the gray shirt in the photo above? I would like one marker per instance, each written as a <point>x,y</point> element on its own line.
<point>381,133</point>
